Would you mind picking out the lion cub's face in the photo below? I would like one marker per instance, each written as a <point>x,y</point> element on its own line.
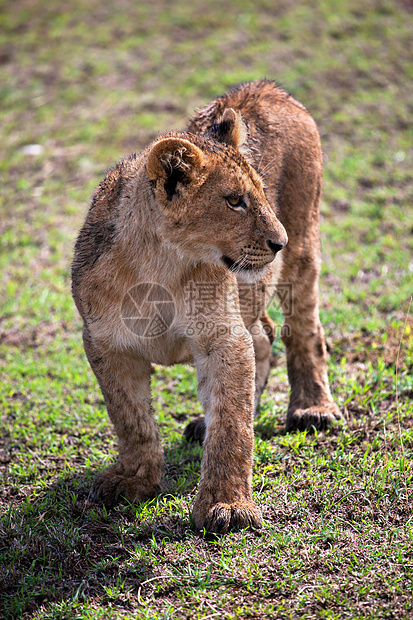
<point>212,202</point>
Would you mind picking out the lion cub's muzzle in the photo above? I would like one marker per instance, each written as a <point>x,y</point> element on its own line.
<point>270,238</point>
<point>275,247</point>
<point>276,239</point>
<point>260,255</point>
<point>252,258</point>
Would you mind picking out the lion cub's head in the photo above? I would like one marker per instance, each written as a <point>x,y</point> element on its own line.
<point>212,201</point>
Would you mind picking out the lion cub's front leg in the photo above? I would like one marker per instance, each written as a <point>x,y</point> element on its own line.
<point>225,371</point>
<point>125,384</point>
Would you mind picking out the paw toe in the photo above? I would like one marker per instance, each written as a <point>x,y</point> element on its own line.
<point>105,490</point>
<point>110,489</point>
<point>318,417</point>
<point>223,518</point>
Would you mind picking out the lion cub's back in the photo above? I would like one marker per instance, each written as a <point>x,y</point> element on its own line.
<point>279,126</point>
<point>257,102</point>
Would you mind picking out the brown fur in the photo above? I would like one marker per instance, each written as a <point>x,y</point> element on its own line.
<point>283,145</point>
<point>191,211</point>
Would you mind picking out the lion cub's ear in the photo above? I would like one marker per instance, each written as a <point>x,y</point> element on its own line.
<point>229,129</point>
<point>173,161</point>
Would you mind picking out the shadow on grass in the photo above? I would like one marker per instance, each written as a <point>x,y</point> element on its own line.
<point>266,430</point>
<point>60,546</point>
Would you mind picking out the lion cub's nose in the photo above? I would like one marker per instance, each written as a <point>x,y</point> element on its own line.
<point>275,247</point>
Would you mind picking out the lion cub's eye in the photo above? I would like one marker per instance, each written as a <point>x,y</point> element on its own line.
<point>236,202</point>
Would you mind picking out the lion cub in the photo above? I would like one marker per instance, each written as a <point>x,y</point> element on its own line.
<point>175,262</point>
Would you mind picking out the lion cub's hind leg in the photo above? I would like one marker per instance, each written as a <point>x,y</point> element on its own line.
<point>311,404</point>
<point>263,332</point>
<point>125,384</point>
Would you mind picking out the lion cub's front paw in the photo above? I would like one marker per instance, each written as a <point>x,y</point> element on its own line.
<point>318,416</point>
<point>111,487</point>
<point>222,518</point>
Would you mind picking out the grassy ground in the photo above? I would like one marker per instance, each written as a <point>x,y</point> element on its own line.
<point>88,82</point>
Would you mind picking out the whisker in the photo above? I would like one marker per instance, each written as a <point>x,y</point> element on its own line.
<point>267,169</point>
<point>239,264</point>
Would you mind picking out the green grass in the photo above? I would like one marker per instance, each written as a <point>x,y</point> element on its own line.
<point>90,82</point>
